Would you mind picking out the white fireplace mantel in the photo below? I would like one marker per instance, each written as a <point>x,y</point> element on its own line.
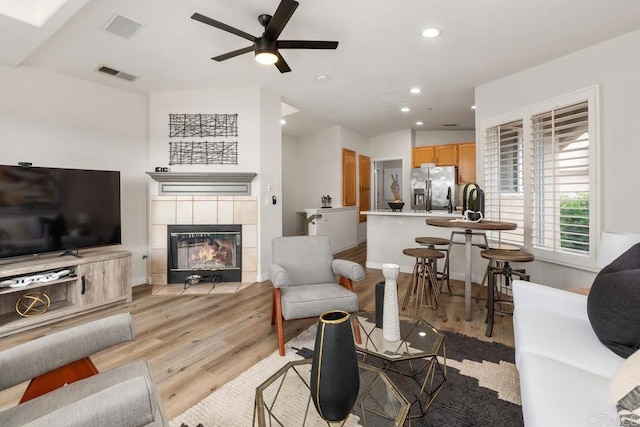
<point>204,183</point>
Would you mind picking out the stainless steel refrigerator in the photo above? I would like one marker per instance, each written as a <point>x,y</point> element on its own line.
<point>430,187</point>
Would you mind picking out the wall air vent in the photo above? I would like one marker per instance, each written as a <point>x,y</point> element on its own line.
<point>450,125</point>
<point>116,73</point>
<point>123,27</point>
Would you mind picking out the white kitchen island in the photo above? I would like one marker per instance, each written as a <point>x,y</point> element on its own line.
<point>340,224</point>
<point>388,233</point>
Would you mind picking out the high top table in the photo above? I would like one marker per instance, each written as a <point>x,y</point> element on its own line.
<point>468,227</point>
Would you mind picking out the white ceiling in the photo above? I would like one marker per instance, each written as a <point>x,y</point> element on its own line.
<point>380,57</point>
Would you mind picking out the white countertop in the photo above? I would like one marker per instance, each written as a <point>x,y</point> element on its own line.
<point>408,212</point>
<point>320,210</point>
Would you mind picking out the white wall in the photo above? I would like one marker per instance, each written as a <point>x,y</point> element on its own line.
<point>614,67</point>
<point>259,147</point>
<point>290,219</point>
<point>270,182</point>
<point>317,169</point>
<point>442,137</point>
<point>395,145</point>
<point>54,120</point>
<point>242,101</point>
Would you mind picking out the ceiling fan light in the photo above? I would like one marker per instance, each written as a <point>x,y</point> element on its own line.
<point>266,58</point>
<point>265,50</point>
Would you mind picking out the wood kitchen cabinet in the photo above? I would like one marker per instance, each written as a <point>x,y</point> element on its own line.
<point>423,155</point>
<point>441,155</point>
<point>446,155</point>
<point>467,163</point>
<point>462,155</point>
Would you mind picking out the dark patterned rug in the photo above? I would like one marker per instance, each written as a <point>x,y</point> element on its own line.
<point>482,388</point>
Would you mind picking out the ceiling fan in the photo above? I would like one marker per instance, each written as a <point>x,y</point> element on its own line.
<point>266,47</point>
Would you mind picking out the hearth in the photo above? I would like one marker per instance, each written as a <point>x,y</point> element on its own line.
<point>213,252</point>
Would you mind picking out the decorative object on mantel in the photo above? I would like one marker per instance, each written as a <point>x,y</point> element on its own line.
<point>335,377</point>
<point>33,304</point>
<point>390,315</point>
<point>202,125</point>
<point>326,201</point>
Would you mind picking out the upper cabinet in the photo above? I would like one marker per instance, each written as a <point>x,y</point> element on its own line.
<point>467,163</point>
<point>446,155</point>
<point>462,155</point>
<point>423,155</point>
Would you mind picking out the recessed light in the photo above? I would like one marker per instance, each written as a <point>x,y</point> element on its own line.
<point>422,334</point>
<point>405,109</point>
<point>283,122</point>
<point>473,107</point>
<point>322,77</point>
<point>431,33</point>
<point>419,123</point>
<point>415,90</point>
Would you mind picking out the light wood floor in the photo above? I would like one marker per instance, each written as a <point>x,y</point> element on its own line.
<point>195,344</point>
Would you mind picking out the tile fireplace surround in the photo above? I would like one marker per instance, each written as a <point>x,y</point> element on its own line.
<point>167,210</point>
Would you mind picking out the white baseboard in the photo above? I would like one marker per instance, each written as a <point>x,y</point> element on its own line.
<point>345,247</point>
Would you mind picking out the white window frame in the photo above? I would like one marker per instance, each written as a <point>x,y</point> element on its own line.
<point>592,96</point>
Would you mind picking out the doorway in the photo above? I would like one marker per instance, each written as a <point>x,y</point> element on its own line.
<point>385,173</point>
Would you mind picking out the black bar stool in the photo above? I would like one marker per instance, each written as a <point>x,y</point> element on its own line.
<point>504,257</point>
<point>423,281</point>
<point>431,243</point>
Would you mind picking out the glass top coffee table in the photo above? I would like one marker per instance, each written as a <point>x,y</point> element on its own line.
<point>416,363</point>
<point>285,400</point>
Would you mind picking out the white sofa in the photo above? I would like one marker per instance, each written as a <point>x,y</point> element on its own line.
<point>565,371</point>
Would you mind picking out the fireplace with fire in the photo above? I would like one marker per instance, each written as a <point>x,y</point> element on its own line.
<point>213,252</point>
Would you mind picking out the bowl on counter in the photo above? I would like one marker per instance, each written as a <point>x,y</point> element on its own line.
<point>396,206</point>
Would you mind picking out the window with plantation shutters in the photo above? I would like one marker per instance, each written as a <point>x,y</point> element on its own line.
<point>539,171</point>
<point>503,178</point>
<point>560,179</point>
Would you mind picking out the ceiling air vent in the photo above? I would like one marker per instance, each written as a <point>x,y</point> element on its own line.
<point>117,73</point>
<point>123,27</point>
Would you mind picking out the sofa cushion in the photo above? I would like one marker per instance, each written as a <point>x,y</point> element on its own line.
<point>625,390</point>
<point>614,301</point>
<point>568,339</point>
<point>556,394</point>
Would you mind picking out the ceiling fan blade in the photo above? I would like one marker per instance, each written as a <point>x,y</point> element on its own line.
<point>232,54</point>
<point>306,44</point>
<point>280,18</point>
<point>282,64</point>
<point>223,27</point>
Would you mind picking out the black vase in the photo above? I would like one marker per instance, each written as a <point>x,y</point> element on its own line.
<point>335,378</point>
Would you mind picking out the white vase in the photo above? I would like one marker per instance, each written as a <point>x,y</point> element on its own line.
<point>390,316</point>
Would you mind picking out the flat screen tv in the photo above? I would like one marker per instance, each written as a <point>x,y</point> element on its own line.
<point>46,210</point>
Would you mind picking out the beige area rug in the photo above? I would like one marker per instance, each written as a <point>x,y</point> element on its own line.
<point>200,288</point>
<point>488,383</point>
